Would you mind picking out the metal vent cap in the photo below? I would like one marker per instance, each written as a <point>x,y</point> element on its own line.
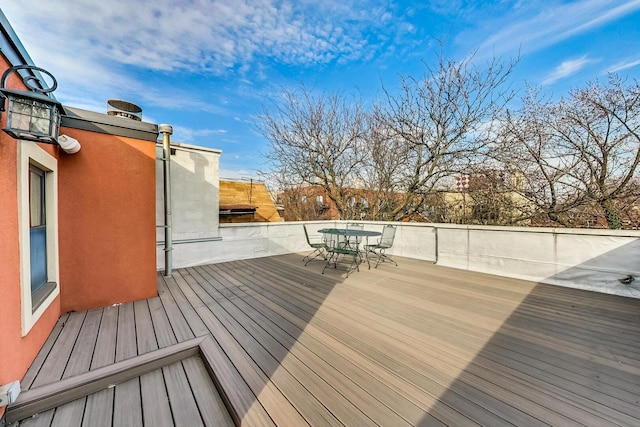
<point>117,107</point>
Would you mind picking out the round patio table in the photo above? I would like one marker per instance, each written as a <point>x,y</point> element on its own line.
<point>350,232</point>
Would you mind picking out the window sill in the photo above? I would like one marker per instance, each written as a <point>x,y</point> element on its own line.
<point>41,294</point>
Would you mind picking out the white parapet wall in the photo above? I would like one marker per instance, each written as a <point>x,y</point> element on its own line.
<point>253,240</point>
<point>242,241</point>
<point>598,260</point>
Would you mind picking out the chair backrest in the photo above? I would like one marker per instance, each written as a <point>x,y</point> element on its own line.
<point>306,233</point>
<point>388,235</point>
<point>355,226</point>
<point>331,240</point>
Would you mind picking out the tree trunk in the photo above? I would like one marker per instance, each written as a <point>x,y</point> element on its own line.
<point>611,214</point>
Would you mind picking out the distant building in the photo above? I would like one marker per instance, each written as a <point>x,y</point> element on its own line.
<point>481,197</point>
<point>246,201</point>
<point>313,203</point>
<point>306,203</point>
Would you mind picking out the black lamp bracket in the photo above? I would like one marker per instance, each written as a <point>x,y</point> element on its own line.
<point>34,80</point>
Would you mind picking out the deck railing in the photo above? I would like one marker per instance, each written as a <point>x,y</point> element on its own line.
<point>600,260</point>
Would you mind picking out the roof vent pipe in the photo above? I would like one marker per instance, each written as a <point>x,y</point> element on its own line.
<point>117,107</point>
<point>166,131</point>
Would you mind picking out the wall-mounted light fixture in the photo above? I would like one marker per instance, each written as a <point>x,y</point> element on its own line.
<point>32,114</point>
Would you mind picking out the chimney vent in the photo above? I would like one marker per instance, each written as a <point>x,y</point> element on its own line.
<point>116,107</point>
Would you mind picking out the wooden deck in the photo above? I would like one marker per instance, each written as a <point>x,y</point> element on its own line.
<point>281,344</point>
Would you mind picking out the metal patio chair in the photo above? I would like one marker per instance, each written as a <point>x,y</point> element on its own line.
<point>319,248</point>
<point>378,249</point>
<point>353,242</point>
<point>336,249</point>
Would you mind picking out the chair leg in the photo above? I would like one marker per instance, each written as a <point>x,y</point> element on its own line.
<point>333,258</point>
<point>353,263</point>
<point>313,255</point>
<point>308,256</point>
<point>371,253</point>
<point>328,260</point>
<point>382,257</point>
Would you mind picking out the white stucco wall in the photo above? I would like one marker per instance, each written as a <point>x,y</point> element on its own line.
<point>195,199</point>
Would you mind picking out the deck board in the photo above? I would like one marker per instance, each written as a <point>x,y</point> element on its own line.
<point>183,405</point>
<point>56,361</point>
<point>415,344</point>
<point>37,363</point>
<point>71,414</point>
<point>99,406</point>
<point>210,404</point>
<point>127,402</point>
<point>279,349</point>
<point>368,342</point>
<point>153,392</point>
<point>240,376</point>
<point>229,332</point>
<point>386,406</point>
<point>336,353</point>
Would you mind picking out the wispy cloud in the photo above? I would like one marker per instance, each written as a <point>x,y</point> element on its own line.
<point>566,69</point>
<point>624,65</point>
<point>203,35</point>
<point>188,135</point>
<point>239,174</point>
<point>94,45</point>
<point>553,24</point>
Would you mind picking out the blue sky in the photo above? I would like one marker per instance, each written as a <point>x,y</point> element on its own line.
<point>208,67</point>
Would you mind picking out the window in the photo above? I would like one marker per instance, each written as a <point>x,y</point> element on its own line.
<point>41,287</point>
<point>38,228</point>
<point>319,200</point>
<point>303,199</point>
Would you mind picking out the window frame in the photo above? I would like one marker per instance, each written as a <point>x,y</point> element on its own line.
<point>30,154</point>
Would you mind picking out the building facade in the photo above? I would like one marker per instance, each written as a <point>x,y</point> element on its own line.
<point>77,226</point>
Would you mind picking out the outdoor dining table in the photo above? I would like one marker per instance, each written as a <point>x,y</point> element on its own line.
<point>350,232</point>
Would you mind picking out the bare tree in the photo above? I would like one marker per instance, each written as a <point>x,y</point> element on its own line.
<point>316,140</point>
<point>442,122</point>
<point>302,204</point>
<point>298,201</point>
<point>540,169</point>
<point>601,125</point>
<point>578,156</point>
<point>384,169</point>
<point>383,164</point>
<point>491,202</point>
<point>629,207</point>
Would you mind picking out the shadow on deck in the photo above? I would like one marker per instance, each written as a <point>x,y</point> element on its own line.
<point>416,344</point>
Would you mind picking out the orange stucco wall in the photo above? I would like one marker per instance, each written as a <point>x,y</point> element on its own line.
<point>106,233</point>
<point>17,352</point>
<point>106,221</point>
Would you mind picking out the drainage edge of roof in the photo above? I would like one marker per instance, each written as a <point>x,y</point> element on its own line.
<point>77,118</point>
